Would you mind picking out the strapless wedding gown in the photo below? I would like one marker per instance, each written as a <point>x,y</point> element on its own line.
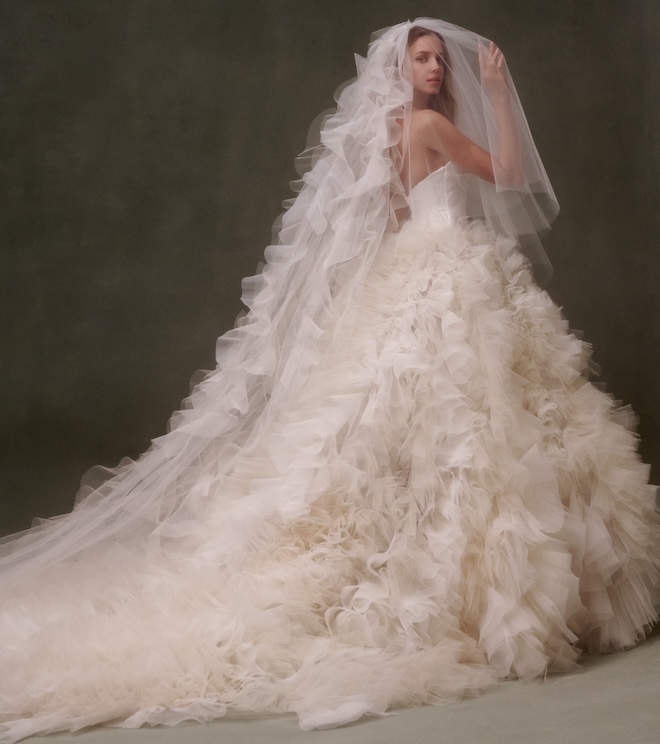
<point>447,502</point>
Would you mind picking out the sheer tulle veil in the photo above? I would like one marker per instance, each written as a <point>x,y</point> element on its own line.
<point>396,487</point>
<point>168,502</point>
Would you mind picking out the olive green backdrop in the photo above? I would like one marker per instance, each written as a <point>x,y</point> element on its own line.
<point>147,145</point>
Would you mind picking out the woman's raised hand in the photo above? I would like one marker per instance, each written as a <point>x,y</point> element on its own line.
<point>493,74</point>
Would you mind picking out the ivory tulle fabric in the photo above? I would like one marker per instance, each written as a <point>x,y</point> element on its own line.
<point>446,502</point>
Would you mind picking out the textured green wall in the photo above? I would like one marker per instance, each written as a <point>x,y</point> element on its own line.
<point>146,147</point>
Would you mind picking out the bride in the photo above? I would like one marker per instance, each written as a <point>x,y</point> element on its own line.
<point>396,487</point>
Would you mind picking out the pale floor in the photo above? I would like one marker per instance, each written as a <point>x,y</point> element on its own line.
<point>613,700</point>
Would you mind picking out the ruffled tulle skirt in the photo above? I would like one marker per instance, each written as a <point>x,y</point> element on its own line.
<point>447,502</point>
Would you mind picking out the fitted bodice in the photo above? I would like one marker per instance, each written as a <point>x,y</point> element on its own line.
<point>439,196</point>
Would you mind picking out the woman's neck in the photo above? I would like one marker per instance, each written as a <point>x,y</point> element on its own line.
<point>420,101</point>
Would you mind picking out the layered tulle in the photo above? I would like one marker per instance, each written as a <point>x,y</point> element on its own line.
<point>444,502</point>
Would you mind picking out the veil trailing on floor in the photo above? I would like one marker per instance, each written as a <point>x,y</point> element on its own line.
<point>348,199</point>
<point>396,487</point>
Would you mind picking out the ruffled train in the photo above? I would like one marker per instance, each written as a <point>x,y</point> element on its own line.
<point>447,502</point>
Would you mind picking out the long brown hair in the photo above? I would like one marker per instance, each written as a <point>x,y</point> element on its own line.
<point>443,102</point>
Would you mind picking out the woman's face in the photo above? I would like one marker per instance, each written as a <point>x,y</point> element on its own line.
<point>428,70</point>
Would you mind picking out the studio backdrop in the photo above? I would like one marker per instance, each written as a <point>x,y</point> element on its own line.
<point>146,148</point>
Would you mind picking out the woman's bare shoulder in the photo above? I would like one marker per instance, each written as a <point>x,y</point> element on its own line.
<point>429,118</point>
<point>430,128</point>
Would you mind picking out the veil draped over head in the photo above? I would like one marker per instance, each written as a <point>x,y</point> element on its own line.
<point>348,199</point>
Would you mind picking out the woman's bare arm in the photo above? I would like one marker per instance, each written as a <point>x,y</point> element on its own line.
<point>508,143</point>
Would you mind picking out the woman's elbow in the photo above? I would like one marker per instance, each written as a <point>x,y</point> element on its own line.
<point>511,178</point>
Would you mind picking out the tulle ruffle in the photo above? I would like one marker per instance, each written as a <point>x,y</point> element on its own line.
<point>446,501</point>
